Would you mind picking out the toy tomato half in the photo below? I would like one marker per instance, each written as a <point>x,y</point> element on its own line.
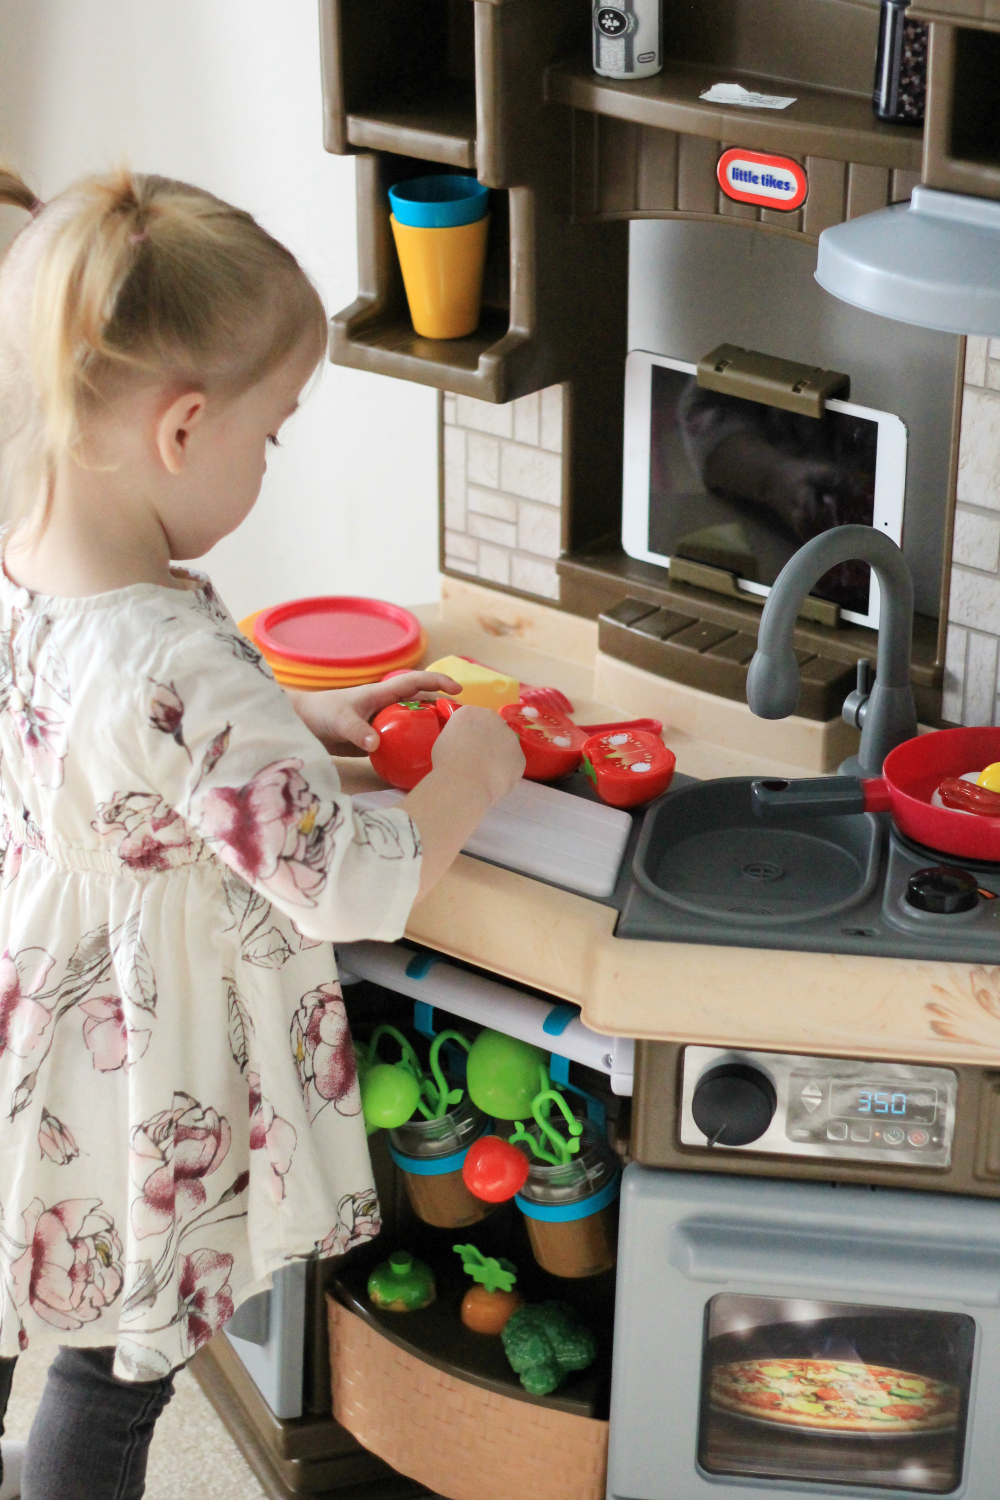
<point>628,767</point>
<point>407,732</point>
<point>552,744</point>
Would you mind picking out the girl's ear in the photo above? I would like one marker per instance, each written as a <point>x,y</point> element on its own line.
<point>174,427</point>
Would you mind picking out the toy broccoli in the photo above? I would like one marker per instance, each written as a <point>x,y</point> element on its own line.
<point>544,1342</point>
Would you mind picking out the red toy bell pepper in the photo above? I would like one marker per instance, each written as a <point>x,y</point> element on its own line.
<point>552,743</point>
<point>628,766</point>
<point>407,732</point>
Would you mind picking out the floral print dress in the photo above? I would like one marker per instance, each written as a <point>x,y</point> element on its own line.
<point>179,1110</point>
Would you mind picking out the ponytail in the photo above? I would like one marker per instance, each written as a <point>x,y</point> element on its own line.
<point>128,279</point>
<point>16,192</point>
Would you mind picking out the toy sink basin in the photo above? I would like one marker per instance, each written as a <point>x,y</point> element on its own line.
<point>703,851</point>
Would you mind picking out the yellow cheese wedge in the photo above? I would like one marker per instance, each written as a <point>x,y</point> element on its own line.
<point>480,685</point>
<point>990,778</point>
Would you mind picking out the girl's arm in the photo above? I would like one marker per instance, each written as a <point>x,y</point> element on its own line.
<point>476,759</point>
<point>238,764</point>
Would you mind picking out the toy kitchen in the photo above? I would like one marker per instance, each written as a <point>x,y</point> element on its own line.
<point>683,1086</point>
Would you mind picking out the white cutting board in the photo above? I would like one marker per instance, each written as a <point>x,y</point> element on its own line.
<point>538,830</point>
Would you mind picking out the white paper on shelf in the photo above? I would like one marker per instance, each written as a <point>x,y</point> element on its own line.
<point>735,93</point>
<point>541,831</point>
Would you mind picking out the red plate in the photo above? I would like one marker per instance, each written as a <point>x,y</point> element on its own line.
<point>338,631</point>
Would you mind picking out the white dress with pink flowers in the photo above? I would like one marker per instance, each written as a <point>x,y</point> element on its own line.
<point>179,1112</point>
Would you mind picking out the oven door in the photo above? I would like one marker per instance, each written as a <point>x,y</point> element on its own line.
<point>796,1338</point>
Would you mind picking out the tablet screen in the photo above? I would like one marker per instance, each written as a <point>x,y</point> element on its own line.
<point>740,486</point>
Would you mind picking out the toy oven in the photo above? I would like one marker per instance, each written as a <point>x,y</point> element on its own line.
<point>802,1339</point>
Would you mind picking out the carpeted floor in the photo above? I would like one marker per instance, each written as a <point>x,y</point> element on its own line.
<point>192,1457</point>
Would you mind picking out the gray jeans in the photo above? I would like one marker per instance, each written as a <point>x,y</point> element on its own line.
<point>91,1434</point>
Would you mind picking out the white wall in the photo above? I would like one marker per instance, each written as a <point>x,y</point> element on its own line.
<point>226,93</point>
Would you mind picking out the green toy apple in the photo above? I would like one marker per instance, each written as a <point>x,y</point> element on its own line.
<point>389,1096</point>
<point>502,1075</point>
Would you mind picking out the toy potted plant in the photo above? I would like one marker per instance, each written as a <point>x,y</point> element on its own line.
<point>431,1127</point>
<point>566,1185</point>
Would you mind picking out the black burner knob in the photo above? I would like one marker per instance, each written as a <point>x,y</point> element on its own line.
<point>943,889</point>
<point>733,1104</point>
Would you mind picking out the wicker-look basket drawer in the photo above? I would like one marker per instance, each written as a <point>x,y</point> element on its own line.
<point>461,1441</point>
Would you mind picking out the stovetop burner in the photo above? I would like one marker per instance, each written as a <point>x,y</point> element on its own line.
<point>935,857</point>
<point>703,869</point>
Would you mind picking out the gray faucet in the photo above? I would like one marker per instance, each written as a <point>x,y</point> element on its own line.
<point>889,716</point>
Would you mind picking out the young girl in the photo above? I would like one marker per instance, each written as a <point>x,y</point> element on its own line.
<point>179,1113</point>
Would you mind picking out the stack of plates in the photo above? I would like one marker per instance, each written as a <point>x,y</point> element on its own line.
<point>336,642</point>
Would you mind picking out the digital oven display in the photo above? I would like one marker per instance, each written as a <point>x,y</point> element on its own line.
<point>866,1101</point>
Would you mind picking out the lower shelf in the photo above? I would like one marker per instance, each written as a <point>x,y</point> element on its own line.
<point>466,1441</point>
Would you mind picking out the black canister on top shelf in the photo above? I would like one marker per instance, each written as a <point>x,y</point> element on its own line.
<point>900,91</point>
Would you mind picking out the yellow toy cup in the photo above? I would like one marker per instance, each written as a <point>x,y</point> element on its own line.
<point>441,225</point>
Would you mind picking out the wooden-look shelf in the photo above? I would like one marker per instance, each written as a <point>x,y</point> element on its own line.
<point>383,341</point>
<point>437,1336</point>
<point>821,122</point>
<point>439,127</point>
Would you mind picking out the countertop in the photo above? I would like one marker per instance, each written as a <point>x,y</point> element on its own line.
<point>562,943</point>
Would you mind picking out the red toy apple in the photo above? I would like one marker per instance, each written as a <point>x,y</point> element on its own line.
<point>494,1170</point>
<point>407,732</point>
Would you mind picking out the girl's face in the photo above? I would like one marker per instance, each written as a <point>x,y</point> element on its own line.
<point>226,458</point>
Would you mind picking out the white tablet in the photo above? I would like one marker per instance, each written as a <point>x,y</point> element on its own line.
<point>740,485</point>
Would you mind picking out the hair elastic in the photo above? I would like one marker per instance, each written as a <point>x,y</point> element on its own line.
<point>36,208</point>
<point>139,235</point>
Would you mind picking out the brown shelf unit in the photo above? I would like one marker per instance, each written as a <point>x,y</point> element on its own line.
<point>649,148</point>
<point>821,122</point>
<point>392,85</point>
<point>962,144</point>
<point>375,332</point>
<point>439,127</point>
<point>458,84</point>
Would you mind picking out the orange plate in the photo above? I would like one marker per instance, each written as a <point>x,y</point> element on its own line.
<point>334,679</point>
<point>346,674</point>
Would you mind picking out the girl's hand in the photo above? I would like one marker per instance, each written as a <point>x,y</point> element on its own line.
<point>476,744</point>
<point>340,719</point>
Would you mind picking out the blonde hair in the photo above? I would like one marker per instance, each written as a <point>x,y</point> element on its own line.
<point>124,280</point>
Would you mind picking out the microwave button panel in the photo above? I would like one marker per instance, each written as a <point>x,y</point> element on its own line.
<point>840,1109</point>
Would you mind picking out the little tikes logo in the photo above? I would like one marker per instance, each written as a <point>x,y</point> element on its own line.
<point>768,181</point>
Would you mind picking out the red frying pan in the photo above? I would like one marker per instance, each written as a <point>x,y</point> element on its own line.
<point>911,774</point>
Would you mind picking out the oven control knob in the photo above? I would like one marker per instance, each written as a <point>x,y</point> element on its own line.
<point>942,889</point>
<point>733,1104</point>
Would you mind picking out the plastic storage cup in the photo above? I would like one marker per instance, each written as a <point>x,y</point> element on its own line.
<point>571,1211</point>
<point>430,1154</point>
<point>440,225</point>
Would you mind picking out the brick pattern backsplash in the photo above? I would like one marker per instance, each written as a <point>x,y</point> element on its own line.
<point>503,490</point>
<point>971,687</point>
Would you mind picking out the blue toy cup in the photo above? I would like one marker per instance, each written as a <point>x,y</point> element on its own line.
<point>443,201</point>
